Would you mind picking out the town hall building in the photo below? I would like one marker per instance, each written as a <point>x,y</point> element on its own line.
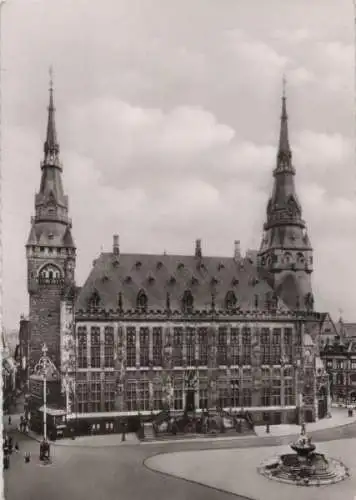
<point>187,332</point>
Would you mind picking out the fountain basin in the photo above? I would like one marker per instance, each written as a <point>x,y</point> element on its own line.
<point>305,467</point>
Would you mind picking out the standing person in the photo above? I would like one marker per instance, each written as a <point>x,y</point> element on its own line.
<point>9,420</point>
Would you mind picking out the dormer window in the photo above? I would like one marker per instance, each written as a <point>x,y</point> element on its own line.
<point>50,236</point>
<point>221,266</point>
<point>214,281</point>
<point>151,279</point>
<point>180,266</point>
<point>94,301</point>
<point>194,280</point>
<point>141,301</point>
<point>138,264</point>
<point>159,265</point>
<point>234,282</point>
<point>128,279</point>
<point>105,278</point>
<point>172,280</point>
<point>254,281</point>
<point>188,302</point>
<point>230,301</point>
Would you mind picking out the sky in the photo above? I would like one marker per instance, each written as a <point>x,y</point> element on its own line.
<point>167,114</point>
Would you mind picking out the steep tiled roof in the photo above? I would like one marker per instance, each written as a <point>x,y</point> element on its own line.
<point>347,329</point>
<point>159,275</point>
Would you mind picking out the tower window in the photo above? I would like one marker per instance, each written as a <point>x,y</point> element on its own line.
<point>49,274</point>
<point>42,249</point>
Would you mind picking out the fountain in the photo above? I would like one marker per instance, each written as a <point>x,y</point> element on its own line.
<point>305,467</point>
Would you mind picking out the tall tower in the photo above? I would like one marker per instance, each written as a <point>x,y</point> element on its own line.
<point>50,250</point>
<point>286,255</point>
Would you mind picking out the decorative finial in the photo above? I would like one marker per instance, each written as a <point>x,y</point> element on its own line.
<point>51,78</point>
<point>284,82</point>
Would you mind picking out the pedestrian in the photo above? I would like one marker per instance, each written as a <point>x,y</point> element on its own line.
<point>9,420</point>
<point>27,457</point>
<point>17,447</point>
<point>10,445</point>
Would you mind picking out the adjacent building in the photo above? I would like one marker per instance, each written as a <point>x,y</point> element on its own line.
<point>180,331</point>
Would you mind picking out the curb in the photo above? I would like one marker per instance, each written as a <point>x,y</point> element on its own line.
<point>267,440</point>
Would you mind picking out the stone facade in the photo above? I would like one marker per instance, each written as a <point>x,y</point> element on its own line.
<point>148,332</point>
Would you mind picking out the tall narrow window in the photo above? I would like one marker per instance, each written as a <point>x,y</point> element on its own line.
<point>82,347</point>
<point>223,394</point>
<point>190,338</point>
<point>157,395</point>
<point>131,347</point>
<point>235,346</point>
<point>288,344</point>
<point>109,391</point>
<point>178,394</point>
<point>276,346</point>
<point>95,346</point>
<point>187,302</point>
<point>109,347</point>
<point>82,393</point>
<point>265,347</point>
<point>157,346</point>
<point>143,395</point>
<point>178,346</point>
<point>235,393</point>
<point>246,345</point>
<point>203,346</point>
<point>131,395</point>
<point>222,345</point>
<point>95,392</point>
<point>144,346</point>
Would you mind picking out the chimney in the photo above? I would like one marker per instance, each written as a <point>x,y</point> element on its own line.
<point>198,253</point>
<point>115,246</point>
<point>237,250</point>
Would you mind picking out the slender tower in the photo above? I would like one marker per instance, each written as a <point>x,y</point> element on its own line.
<point>50,249</point>
<point>286,255</point>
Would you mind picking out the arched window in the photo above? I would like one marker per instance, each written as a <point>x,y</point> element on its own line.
<point>300,258</point>
<point>287,258</point>
<point>230,300</point>
<point>94,301</point>
<point>187,302</point>
<point>141,301</point>
<point>49,274</point>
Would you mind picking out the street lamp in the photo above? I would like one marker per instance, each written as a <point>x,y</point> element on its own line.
<point>43,367</point>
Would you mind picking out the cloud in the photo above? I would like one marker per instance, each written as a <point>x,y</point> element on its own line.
<point>168,122</point>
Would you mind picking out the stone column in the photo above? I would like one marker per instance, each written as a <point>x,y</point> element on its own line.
<point>120,368</point>
<point>256,367</point>
<point>137,348</point>
<point>212,368</point>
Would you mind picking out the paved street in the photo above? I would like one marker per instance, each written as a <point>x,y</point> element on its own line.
<point>85,473</point>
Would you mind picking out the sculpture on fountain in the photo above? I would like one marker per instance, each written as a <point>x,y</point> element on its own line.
<point>304,467</point>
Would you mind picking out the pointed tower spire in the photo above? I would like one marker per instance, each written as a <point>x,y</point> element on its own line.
<point>286,252</point>
<point>284,155</point>
<point>51,146</point>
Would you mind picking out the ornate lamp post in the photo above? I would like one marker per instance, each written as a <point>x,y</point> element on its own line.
<point>44,366</point>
